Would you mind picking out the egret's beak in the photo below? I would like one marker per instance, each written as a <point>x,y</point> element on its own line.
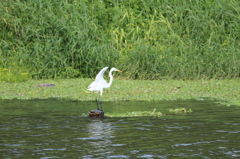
<point>119,70</point>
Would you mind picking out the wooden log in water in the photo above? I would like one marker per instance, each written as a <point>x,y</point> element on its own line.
<point>96,113</point>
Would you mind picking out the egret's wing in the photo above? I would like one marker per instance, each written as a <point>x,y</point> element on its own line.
<point>100,74</point>
<point>92,84</point>
<point>97,85</point>
<point>99,82</point>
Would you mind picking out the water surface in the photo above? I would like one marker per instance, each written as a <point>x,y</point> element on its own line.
<point>56,129</point>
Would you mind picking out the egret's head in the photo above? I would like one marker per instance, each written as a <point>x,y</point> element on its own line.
<point>114,69</point>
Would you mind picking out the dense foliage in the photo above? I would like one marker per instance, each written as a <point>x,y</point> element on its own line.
<point>146,39</point>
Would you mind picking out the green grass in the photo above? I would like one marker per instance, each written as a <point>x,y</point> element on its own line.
<point>226,91</point>
<point>158,39</point>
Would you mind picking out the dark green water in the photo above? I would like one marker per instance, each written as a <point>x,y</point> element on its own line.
<point>55,129</point>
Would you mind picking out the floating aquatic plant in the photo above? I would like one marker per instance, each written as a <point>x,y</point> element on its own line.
<point>135,114</point>
<point>180,110</point>
<point>153,113</point>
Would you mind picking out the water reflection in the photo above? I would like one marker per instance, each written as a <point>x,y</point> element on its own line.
<point>56,129</point>
<point>100,135</point>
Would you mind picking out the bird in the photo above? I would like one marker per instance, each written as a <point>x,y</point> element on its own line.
<point>100,83</point>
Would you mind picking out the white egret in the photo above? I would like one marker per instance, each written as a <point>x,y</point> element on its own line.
<point>100,83</point>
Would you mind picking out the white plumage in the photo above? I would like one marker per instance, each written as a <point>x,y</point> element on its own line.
<point>100,83</point>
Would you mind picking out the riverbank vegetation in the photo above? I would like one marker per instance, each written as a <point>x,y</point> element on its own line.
<point>167,50</point>
<point>154,40</point>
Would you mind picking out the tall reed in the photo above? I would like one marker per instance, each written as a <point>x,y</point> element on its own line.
<point>148,40</point>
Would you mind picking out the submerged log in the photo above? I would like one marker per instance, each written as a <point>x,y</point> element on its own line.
<point>45,85</point>
<point>96,113</point>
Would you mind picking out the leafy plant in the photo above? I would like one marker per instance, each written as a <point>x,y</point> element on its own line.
<point>148,40</point>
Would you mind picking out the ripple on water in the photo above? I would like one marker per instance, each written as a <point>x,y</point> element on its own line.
<point>63,133</point>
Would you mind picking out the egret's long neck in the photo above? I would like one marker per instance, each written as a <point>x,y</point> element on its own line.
<point>111,79</point>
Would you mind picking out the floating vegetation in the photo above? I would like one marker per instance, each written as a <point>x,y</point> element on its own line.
<point>180,110</point>
<point>153,113</point>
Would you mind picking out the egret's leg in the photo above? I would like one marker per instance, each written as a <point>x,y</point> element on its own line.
<point>101,103</point>
<point>97,101</point>
<point>101,99</point>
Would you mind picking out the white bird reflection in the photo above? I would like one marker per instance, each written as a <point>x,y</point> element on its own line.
<point>100,134</point>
